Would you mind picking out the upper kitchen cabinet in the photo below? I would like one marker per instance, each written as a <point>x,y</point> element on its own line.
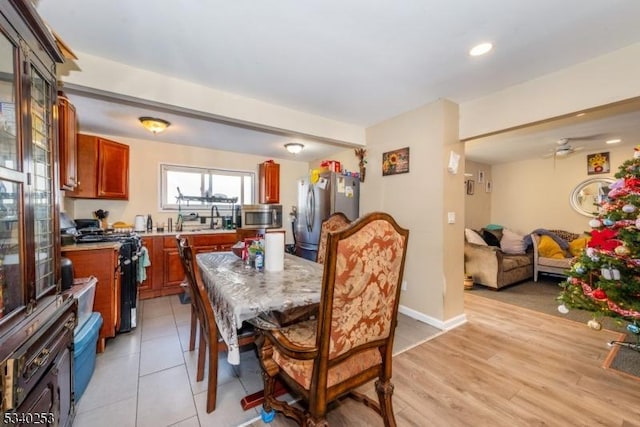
<point>68,145</point>
<point>103,169</point>
<point>269,182</point>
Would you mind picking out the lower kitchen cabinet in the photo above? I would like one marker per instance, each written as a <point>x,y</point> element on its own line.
<point>100,261</point>
<point>165,274</point>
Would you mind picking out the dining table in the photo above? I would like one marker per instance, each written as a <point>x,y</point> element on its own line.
<point>241,293</point>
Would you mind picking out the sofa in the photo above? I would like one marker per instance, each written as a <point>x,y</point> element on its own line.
<point>554,251</point>
<point>494,266</point>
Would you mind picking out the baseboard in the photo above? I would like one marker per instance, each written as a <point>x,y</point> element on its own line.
<point>436,323</point>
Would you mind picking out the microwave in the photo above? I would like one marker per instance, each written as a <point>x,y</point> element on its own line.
<point>261,216</point>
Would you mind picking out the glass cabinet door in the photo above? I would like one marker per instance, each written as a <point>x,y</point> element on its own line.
<point>12,280</point>
<point>8,138</point>
<point>42,192</point>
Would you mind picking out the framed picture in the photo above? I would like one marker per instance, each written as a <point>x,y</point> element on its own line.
<point>395,162</point>
<point>471,186</point>
<point>480,177</point>
<point>598,163</point>
<point>488,187</point>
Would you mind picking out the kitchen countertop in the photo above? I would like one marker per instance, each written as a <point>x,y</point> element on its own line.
<point>90,246</point>
<point>116,245</point>
<point>196,231</point>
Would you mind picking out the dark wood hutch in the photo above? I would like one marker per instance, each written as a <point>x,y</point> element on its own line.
<point>36,321</point>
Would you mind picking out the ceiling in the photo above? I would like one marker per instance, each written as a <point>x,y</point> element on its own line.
<point>356,61</point>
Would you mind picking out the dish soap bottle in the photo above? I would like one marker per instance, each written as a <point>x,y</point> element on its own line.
<point>149,224</point>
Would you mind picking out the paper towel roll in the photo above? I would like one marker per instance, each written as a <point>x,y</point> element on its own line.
<point>274,251</point>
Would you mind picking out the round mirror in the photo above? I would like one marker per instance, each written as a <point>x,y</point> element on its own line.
<point>587,195</point>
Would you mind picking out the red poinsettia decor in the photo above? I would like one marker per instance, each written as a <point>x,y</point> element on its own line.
<point>604,239</point>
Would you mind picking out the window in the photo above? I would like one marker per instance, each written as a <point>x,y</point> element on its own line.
<point>203,182</point>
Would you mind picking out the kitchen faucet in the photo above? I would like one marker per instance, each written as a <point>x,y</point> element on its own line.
<point>213,223</point>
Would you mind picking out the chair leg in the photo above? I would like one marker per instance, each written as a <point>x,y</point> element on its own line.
<point>212,386</point>
<point>385,391</point>
<point>202,346</point>
<point>194,324</point>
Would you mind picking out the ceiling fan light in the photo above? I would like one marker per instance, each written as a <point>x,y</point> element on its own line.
<point>153,124</point>
<point>294,147</point>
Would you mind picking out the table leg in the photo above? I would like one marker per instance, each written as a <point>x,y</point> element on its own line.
<point>257,398</point>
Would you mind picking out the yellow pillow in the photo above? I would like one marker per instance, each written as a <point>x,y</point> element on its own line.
<point>578,245</point>
<point>548,248</point>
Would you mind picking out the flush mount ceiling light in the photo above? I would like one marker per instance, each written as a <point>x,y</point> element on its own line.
<point>294,147</point>
<point>613,141</point>
<point>154,125</point>
<point>480,49</point>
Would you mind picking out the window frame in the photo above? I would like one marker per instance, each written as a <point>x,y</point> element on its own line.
<point>170,167</point>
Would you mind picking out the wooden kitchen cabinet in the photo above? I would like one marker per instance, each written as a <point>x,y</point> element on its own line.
<point>103,169</point>
<point>100,261</point>
<point>269,182</point>
<point>67,143</point>
<point>166,273</point>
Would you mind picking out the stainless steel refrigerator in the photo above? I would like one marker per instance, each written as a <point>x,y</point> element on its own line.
<point>332,192</point>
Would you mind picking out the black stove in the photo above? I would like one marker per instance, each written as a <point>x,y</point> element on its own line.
<point>128,254</point>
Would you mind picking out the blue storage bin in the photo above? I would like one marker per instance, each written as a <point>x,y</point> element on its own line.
<point>84,356</point>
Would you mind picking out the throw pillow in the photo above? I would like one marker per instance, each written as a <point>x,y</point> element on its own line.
<point>491,238</point>
<point>576,246</point>
<point>548,248</point>
<point>512,243</point>
<point>473,237</point>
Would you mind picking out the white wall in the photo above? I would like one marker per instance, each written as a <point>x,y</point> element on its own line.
<point>477,206</point>
<point>600,81</point>
<point>419,201</point>
<point>144,176</point>
<point>535,193</point>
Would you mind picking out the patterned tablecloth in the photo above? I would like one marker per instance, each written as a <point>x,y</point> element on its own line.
<point>240,293</point>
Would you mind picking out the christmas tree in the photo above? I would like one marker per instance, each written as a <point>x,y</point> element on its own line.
<point>605,279</point>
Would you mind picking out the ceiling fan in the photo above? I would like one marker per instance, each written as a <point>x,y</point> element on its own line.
<point>563,148</point>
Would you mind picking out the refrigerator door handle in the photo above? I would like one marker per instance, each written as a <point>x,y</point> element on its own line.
<point>312,210</point>
<point>308,209</point>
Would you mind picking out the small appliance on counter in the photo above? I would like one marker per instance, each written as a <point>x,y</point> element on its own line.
<point>139,224</point>
<point>68,230</point>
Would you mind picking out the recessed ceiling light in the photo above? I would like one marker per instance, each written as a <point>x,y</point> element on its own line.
<point>480,49</point>
<point>613,141</point>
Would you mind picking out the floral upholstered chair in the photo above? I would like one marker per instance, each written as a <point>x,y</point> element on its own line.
<point>335,222</point>
<point>351,341</point>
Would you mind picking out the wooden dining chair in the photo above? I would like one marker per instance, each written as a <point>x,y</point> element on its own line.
<point>188,292</point>
<point>335,222</point>
<point>208,330</point>
<point>351,341</point>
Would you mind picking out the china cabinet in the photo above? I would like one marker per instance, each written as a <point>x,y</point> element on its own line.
<point>36,323</point>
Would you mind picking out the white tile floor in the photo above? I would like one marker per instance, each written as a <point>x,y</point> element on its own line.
<point>147,377</point>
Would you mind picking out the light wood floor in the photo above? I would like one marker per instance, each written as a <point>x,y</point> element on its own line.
<point>507,366</point>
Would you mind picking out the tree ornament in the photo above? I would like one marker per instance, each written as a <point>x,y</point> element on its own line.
<point>563,309</point>
<point>629,208</point>
<point>608,222</point>
<point>638,223</point>
<point>594,324</point>
<point>579,268</point>
<point>599,295</point>
<point>622,250</point>
<point>595,223</point>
